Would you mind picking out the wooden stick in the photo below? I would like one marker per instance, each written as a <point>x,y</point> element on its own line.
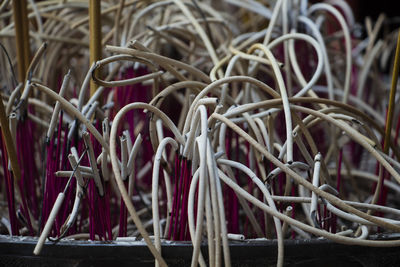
<point>22,37</point>
<point>25,32</point>
<point>95,36</point>
<point>389,118</point>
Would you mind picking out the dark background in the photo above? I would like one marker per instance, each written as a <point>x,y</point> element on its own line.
<point>373,8</point>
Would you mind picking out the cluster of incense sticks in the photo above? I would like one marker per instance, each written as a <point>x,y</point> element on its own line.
<point>203,121</point>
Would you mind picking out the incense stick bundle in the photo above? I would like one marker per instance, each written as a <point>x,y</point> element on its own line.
<point>205,123</point>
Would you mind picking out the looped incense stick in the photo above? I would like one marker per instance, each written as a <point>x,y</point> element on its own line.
<point>271,203</point>
<point>160,60</point>
<point>128,81</point>
<point>299,179</point>
<point>336,13</point>
<point>156,166</point>
<point>122,189</point>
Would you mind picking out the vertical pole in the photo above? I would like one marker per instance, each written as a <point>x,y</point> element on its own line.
<point>22,37</point>
<point>388,125</point>
<point>95,36</point>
